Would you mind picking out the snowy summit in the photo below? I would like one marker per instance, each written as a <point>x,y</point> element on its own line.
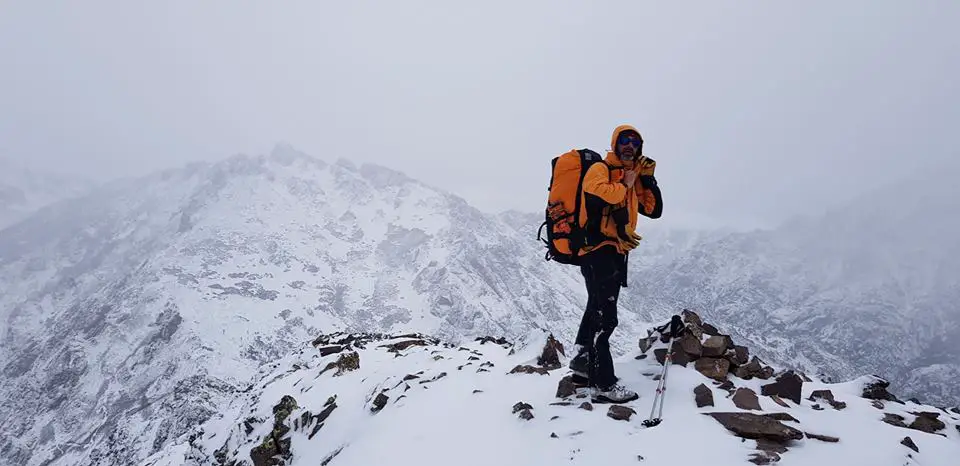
<point>367,399</point>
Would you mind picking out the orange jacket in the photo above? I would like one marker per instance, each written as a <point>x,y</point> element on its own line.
<point>604,193</point>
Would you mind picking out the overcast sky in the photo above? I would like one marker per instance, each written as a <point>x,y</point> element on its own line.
<point>754,110</point>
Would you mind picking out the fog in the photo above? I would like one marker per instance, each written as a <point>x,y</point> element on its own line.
<point>754,111</point>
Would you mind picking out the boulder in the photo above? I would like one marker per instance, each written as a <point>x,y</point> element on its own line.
<point>876,389</point>
<point>713,368</point>
<point>744,398</point>
<point>346,362</point>
<point>620,413</point>
<point>789,385</point>
<point>738,355</point>
<point>754,426</point>
<point>691,346</point>
<point>550,356</point>
<point>894,419</point>
<point>402,345</point>
<point>710,330</point>
<point>827,396</point>
<point>565,388</point>
<point>781,417</point>
<point>726,385</point>
<point>379,402</point>
<point>647,343</point>
<point>928,422</point>
<point>908,442</point>
<point>749,370</point>
<point>764,457</point>
<point>690,317</point>
<point>488,339</point>
<point>822,438</point>
<point>716,346</point>
<point>328,350</point>
<point>703,396</point>
<point>528,369</point>
<point>520,406</point>
<point>677,354</point>
<point>776,399</point>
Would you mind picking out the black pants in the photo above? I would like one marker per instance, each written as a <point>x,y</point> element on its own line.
<point>602,271</point>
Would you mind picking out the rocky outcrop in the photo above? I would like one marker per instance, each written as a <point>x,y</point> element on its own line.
<point>928,422</point>
<point>827,396</point>
<point>528,369</point>
<point>349,361</point>
<point>755,426</point>
<point>908,442</point>
<point>789,385</point>
<point>550,356</point>
<point>876,389</point>
<point>275,449</point>
<point>525,410</point>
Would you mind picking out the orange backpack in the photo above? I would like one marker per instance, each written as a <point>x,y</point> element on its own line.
<point>564,235</point>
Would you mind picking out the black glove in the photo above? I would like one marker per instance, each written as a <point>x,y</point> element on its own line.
<point>648,181</point>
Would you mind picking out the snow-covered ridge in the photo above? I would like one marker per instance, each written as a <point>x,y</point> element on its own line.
<point>359,399</point>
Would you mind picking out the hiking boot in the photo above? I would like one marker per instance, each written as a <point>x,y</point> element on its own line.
<point>614,394</point>
<point>579,365</point>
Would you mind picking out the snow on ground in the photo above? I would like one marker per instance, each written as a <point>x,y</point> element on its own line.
<point>431,403</point>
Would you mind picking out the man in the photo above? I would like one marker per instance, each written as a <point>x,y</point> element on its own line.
<point>614,193</point>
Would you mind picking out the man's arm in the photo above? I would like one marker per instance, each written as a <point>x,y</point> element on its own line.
<point>648,192</point>
<point>597,183</point>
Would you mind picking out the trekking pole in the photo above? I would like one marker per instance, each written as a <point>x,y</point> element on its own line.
<point>661,389</point>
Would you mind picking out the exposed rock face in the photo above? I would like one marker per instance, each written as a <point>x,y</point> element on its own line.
<point>274,446</point>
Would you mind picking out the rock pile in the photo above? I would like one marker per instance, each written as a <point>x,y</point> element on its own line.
<point>713,354</point>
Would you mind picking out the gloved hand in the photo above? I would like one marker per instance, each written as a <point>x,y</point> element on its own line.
<point>629,240</point>
<point>646,166</point>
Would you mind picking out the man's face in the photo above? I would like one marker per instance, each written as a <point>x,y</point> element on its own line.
<point>627,144</point>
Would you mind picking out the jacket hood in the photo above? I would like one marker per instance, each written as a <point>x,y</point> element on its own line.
<point>611,153</point>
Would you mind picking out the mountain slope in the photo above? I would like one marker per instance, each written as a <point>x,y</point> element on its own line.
<point>385,399</point>
<point>131,313</point>
<point>819,290</point>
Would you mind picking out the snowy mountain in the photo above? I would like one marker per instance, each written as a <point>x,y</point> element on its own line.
<point>24,191</point>
<point>817,292</point>
<point>138,311</point>
<point>360,399</point>
<point>132,313</point>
